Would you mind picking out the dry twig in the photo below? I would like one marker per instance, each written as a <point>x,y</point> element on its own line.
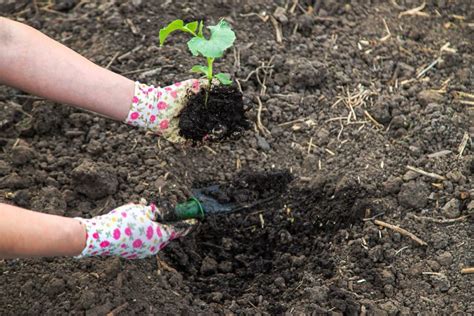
<point>389,34</point>
<point>439,220</point>
<point>462,146</point>
<point>401,231</point>
<point>212,151</point>
<point>278,33</point>
<point>260,125</point>
<point>415,11</point>
<point>467,270</point>
<point>118,309</point>
<point>377,124</point>
<point>112,60</point>
<point>428,174</point>
<point>164,265</point>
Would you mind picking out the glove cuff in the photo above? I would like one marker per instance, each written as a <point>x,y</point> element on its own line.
<point>85,252</point>
<point>146,110</point>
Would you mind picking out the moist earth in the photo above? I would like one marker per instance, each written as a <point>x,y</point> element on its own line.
<point>214,115</point>
<point>349,105</point>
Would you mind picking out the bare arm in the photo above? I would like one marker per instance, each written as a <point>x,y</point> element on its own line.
<point>25,233</point>
<point>33,62</point>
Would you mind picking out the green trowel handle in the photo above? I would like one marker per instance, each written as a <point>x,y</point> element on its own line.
<point>189,209</point>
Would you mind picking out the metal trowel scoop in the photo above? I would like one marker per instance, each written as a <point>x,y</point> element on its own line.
<point>204,203</point>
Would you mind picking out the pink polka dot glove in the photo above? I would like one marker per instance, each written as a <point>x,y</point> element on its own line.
<point>130,232</point>
<point>158,109</point>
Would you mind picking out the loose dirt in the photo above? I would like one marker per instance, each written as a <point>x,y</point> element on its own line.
<point>223,116</point>
<point>349,102</point>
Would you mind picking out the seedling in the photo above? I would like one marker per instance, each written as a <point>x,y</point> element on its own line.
<point>222,37</point>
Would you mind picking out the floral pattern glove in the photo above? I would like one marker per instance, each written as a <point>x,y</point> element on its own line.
<point>130,232</point>
<point>157,109</point>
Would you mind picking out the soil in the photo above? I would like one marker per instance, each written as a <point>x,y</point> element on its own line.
<point>222,117</point>
<point>345,113</point>
<point>250,186</point>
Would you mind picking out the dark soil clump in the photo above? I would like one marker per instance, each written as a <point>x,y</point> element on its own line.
<point>250,186</point>
<point>222,117</point>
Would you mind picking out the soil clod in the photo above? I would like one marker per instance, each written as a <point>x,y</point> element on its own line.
<point>222,117</point>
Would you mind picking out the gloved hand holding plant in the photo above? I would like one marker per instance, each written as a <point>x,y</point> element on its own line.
<point>163,110</point>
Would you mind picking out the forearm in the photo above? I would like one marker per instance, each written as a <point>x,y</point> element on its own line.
<point>35,63</point>
<point>25,233</point>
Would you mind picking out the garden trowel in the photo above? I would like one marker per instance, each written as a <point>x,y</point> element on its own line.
<point>203,204</point>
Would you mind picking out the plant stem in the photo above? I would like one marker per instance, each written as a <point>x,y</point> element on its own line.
<point>210,61</point>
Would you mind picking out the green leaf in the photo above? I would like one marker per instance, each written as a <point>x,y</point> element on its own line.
<point>222,37</point>
<point>177,25</point>
<point>200,68</point>
<point>224,78</point>
<point>192,26</point>
<point>173,26</point>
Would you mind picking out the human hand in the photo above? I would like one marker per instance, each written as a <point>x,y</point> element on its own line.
<point>130,232</point>
<point>158,109</point>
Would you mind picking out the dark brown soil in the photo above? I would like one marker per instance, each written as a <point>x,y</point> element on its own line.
<point>334,74</point>
<point>250,186</point>
<point>223,116</point>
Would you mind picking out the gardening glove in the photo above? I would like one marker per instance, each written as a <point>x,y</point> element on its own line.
<point>158,109</point>
<point>130,232</point>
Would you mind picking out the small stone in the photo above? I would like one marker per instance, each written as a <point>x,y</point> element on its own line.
<point>426,97</point>
<point>390,308</point>
<point>94,147</point>
<point>225,266</point>
<point>445,259</point>
<point>434,265</point>
<point>451,209</point>
<point>392,185</point>
<point>280,282</point>
<point>280,15</point>
<point>318,294</point>
<point>388,290</point>
<point>79,119</point>
<point>22,198</point>
<point>413,195</point>
<point>456,176</point>
<point>410,175</point>
<point>88,299</point>
<point>227,243</point>
<point>432,107</point>
<point>217,297</point>
<point>376,253</point>
<point>399,121</point>
<point>470,206</point>
<point>21,155</point>
<point>387,276</point>
<point>262,143</point>
<point>64,5</point>
<point>208,266</point>
<point>56,286</point>
<point>381,112</point>
<point>416,269</point>
<point>4,168</point>
<point>322,137</point>
<point>440,241</point>
<point>441,283</point>
<point>137,3</point>
<point>298,261</point>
